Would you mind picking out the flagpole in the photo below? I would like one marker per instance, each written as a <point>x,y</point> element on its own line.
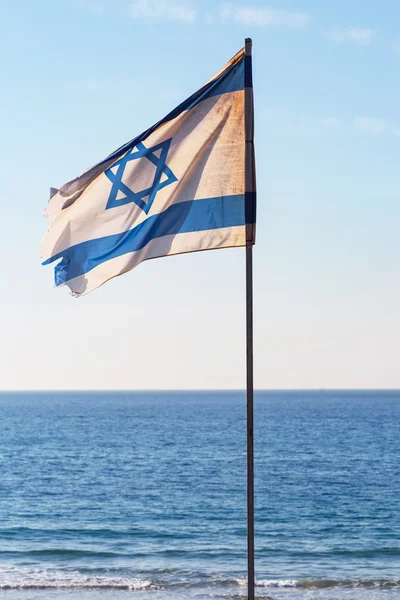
<point>250,189</point>
<point>250,419</point>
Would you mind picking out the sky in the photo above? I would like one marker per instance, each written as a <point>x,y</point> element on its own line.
<point>81,77</point>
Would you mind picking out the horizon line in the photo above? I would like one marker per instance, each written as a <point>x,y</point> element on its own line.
<point>205,390</point>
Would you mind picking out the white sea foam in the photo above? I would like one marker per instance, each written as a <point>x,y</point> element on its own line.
<point>323,583</point>
<point>18,578</point>
<point>15,578</point>
<point>278,583</point>
<point>272,583</point>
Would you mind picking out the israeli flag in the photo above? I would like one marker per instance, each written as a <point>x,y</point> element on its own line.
<point>178,187</point>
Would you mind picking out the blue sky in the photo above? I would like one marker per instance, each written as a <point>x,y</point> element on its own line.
<point>80,77</point>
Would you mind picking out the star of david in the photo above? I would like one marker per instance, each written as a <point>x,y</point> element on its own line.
<point>121,194</point>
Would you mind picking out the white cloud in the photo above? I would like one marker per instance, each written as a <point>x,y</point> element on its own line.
<point>162,9</point>
<point>292,123</point>
<point>264,17</point>
<point>370,125</point>
<point>353,35</point>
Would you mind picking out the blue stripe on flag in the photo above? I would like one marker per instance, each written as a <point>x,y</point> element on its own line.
<point>231,80</point>
<point>183,217</point>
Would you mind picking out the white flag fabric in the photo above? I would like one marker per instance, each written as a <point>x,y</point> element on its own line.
<point>178,187</point>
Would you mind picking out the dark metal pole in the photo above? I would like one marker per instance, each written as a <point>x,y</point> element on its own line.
<point>250,198</point>
<point>250,420</point>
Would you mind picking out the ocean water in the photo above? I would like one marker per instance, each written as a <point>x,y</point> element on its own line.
<point>114,495</point>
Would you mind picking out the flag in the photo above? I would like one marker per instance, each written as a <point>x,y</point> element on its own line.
<point>184,185</point>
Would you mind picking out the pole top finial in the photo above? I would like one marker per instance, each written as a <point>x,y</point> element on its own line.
<point>248,44</point>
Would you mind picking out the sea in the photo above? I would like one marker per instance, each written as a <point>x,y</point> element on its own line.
<point>113,495</point>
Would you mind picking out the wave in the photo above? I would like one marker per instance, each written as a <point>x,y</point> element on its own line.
<point>79,553</point>
<point>74,544</point>
<point>38,579</point>
<point>326,583</point>
<point>41,579</point>
<point>388,552</point>
<point>107,533</point>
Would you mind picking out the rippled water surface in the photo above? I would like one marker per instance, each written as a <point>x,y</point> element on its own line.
<point>109,495</point>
